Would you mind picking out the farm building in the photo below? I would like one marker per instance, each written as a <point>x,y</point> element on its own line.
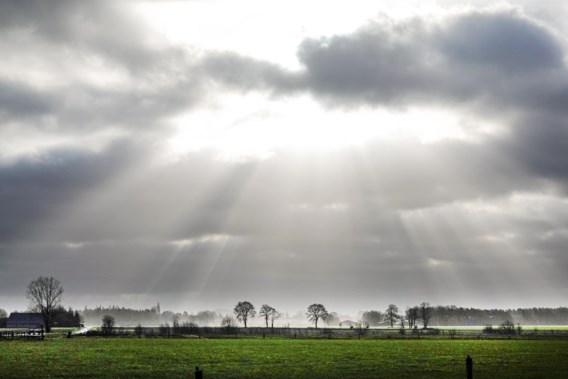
<point>24,320</point>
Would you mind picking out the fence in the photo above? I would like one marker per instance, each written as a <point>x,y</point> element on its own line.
<point>339,333</point>
<point>22,334</point>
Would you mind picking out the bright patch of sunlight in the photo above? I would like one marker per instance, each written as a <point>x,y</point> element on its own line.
<point>437,262</point>
<point>245,126</point>
<point>329,207</point>
<point>74,245</point>
<point>208,238</point>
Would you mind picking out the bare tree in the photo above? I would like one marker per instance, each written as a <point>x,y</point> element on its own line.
<point>229,322</point>
<point>316,312</point>
<point>3,313</point>
<point>108,324</point>
<point>391,314</point>
<point>412,316</point>
<point>44,295</point>
<point>425,313</point>
<point>243,311</point>
<point>273,316</point>
<point>265,311</point>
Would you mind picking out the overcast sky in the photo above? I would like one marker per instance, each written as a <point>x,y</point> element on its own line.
<point>351,153</point>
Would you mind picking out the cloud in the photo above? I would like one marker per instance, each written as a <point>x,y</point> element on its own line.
<point>496,64</point>
<point>379,220</point>
<point>103,28</point>
<point>353,223</point>
<point>80,69</point>
<point>503,41</point>
<point>36,189</point>
<point>21,101</point>
<point>249,74</point>
<point>472,57</point>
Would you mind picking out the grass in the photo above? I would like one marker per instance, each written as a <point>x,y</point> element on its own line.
<point>281,358</point>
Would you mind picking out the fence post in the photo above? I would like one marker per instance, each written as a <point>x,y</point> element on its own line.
<point>198,373</point>
<point>469,367</point>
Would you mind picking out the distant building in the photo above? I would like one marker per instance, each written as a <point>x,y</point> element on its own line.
<point>24,320</point>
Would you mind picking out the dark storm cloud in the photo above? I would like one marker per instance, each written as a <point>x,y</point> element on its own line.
<point>504,42</point>
<point>539,142</point>
<point>496,58</point>
<point>20,101</point>
<point>374,65</point>
<point>34,190</point>
<point>249,74</point>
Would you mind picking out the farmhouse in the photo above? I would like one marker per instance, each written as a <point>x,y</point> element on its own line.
<point>24,320</point>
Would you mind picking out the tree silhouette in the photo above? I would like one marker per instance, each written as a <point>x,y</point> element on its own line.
<point>229,322</point>
<point>273,316</point>
<point>243,311</point>
<point>425,313</point>
<point>44,295</point>
<point>391,314</point>
<point>265,311</point>
<point>412,316</point>
<point>316,312</point>
<point>108,324</point>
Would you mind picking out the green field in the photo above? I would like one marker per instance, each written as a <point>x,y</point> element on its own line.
<point>281,358</point>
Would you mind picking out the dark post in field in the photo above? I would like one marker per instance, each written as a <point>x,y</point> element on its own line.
<point>198,373</point>
<point>469,367</point>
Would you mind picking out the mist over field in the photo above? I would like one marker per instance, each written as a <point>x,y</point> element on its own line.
<point>355,154</point>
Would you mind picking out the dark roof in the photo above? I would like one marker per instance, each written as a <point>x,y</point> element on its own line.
<point>24,319</point>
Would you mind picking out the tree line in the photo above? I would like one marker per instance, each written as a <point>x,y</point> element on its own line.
<point>45,295</point>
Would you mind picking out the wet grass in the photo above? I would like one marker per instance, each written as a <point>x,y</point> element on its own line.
<point>281,358</point>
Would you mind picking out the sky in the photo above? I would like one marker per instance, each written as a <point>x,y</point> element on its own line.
<point>350,153</point>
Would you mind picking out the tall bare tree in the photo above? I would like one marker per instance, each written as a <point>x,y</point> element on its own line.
<point>316,312</point>
<point>391,314</point>
<point>425,313</point>
<point>243,311</point>
<point>273,316</point>
<point>229,322</point>
<point>44,295</point>
<point>412,316</point>
<point>266,311</point>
